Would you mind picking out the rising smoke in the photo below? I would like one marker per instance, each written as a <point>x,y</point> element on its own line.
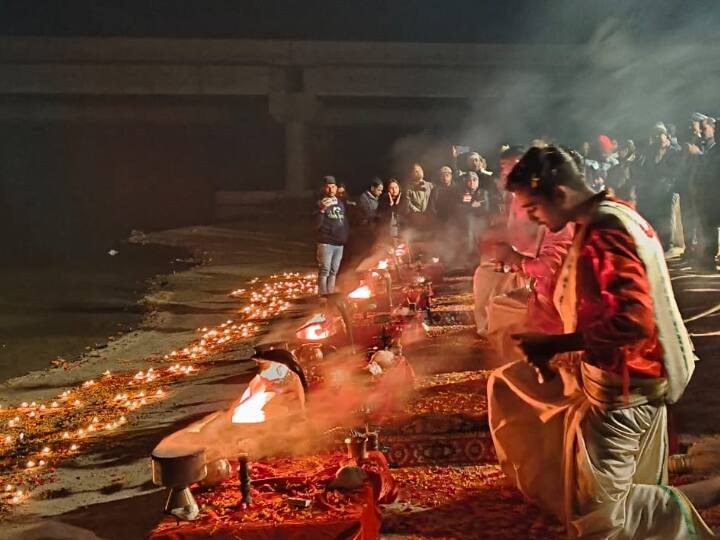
<point>618,68</point>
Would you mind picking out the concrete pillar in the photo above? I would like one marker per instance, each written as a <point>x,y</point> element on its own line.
<point>296,168</point>
<point>296,111</point>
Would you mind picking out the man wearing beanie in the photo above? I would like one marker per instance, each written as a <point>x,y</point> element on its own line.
<point>332,230</point>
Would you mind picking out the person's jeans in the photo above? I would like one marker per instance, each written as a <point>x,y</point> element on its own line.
<point>328,258</point>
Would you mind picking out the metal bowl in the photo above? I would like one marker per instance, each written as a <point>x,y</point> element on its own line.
<point>178,468</point>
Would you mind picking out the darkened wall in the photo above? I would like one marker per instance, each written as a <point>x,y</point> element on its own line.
<point>66,184</point>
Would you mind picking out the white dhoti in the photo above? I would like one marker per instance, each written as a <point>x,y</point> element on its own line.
<point>583,448</point>
<point>487,284</point>
<point>587,457</point>
<point>507,315</point>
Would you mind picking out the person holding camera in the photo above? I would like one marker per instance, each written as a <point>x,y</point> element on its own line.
<point>332,229</point>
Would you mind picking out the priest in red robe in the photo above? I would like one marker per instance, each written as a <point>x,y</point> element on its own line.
<point>581,426</point>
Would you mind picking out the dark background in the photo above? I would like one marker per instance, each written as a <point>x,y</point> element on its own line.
<point>68,188</point>
<point>440,21</point>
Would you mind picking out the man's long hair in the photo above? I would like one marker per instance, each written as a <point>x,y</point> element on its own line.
<point>540,170</point>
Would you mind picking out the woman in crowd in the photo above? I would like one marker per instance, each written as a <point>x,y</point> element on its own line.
<point>393,210</point>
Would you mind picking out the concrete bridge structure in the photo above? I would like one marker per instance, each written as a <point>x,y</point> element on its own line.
<point>153,133</point>
<point>303,86</point>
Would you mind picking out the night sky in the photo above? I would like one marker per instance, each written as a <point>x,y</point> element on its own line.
<point>549,21</point>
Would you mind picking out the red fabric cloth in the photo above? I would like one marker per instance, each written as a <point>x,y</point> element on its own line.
<point>542,314</point>
<point>615,309</point>
<point>330,530</point>
<point>363,524</point>
<point>385,488</point>
<point>370,519</point>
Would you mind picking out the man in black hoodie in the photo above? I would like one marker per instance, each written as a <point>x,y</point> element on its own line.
<point>332,228</point>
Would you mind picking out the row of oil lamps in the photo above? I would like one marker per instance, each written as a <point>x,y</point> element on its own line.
<point>266,301</point>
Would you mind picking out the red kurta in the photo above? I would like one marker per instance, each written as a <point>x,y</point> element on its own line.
<point>542,314</point>
<point>615,309</point>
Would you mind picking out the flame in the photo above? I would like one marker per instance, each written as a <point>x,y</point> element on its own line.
<point>361,293</point>
<point>313,332</point>
<point>383,265</point>
<point>250,410</point>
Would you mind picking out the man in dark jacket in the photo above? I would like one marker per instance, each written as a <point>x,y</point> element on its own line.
<point>368,202</point>
<point>656,199</point>
<point>417,193</point>
<point>444,202</point>
<point>444,198</point>
<point>332,229</point>
<point>474,205</point>
<point>707,185</point>
<point>692,152</point>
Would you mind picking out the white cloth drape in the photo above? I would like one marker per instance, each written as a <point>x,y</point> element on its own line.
<point>487,284</point>
<point>578,446</point>
<point>507,315</point>
<point>602,472</point>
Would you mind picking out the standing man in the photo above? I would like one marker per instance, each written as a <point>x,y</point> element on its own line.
<point>444,201</point>
<point>368,202</point>
<point>444,198</point>
<point>332,229</point>
<point>368,217</point>
<point>591,445</point>
<point>695,134</point>
<point>656,199</point>
<point>478,164</point>
<point>418,194</point>
<point>707,186</point>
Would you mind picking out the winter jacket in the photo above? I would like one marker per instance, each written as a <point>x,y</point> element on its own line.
<point>332,223</point>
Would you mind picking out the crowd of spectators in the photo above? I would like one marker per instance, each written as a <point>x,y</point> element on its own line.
<point>675,184</point>
<point>671,179</point>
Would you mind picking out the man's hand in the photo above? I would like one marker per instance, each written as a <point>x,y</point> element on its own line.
<point>693,149</point>
<point>327,202</point>
<point>506,253</point>
<point>536,344</point>
<point>539,350</point>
